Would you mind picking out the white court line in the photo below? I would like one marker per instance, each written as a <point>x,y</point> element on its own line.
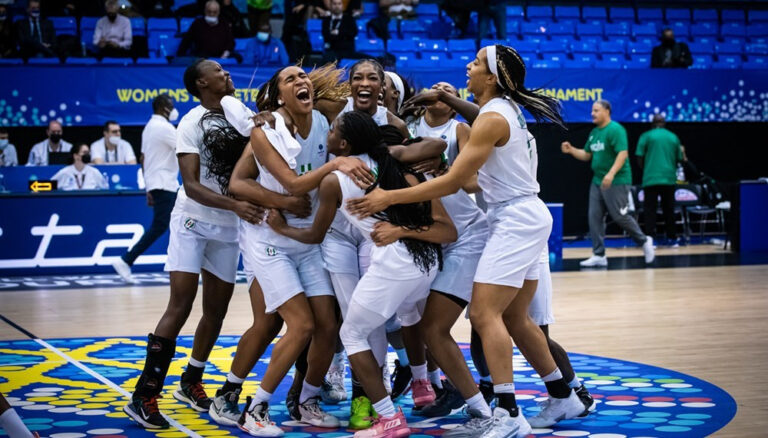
<point>111,384</point>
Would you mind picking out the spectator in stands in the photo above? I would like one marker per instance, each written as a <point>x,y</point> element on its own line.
<point>658,152</point>
<point>295,36</point>
<point>353,7</point>
<point>607,149</point>
<point>35,34</point>
<point>38,155</point>
<point>670,53</point>
<point>398,8</point>
<point>339,32</point>
<point>209,37</point>
<point>8,156</point>
<point>7,43</point>
<point>161,173</point>
<point>268,50</point>
<point>80,175</point>
<point>112,36</point>
<point>259,12</point>
<point>111,148</point>
<point>231,14</point>
<point>492,10</point>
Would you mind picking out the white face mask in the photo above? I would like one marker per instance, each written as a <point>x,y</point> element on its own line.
<point>262,36</point>
<point>212,20</point>
<point>114,140</point>
<point>3,143</point>
<point>173,115</point>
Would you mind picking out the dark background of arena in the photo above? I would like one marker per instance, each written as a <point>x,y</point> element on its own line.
<point>728,152</point>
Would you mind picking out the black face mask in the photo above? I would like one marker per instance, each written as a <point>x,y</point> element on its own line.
<point>55,138</point>
<point>86,158</point>
<point>668,42</point>
<point>112,17</point>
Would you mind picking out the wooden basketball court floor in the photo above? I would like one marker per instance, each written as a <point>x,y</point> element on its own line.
<point>709,322</point>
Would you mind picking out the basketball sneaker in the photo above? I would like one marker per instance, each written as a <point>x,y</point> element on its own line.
<point>123,270</point>
<point>224,409</point>
<point>648,250</point>
<point>312,414</point>
<point>292,402</point>
<point>594,262</point>
<point>332,390</point>
<point>256,422</point>
<point>387,427</point>
<point>422,393</point>
<point>448,400</point>
<point>401,380</point>
<point>486,388</point>
<point>557,409</point>
<point>145,412</point>
<point>361,413</point>
<point>194,395</point>
<point>589,403</point>
<point>475,427</point>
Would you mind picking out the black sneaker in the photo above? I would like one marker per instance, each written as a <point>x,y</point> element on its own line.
<point>194,395</point>
<point>292,402</point>
<point>448,400</point>
<point>487,389</point>
<point>401,380</point>
<point>586,398</point>
<point>145,412</point>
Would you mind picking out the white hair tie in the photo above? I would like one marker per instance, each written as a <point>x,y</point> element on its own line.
<point>490,52</point>
<point>399,86</point>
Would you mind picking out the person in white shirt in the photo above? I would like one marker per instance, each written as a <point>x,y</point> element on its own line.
<point>8,156</point>
<point>80,175</point>
<point>111,149</point>
<point>112,36</point>
<point>38,155</point>
<point>203,241</point>
<point>161,174</point>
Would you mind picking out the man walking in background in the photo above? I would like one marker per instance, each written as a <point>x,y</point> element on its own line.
<point>161,175</point>
<point>607,149</point>
<point>658,152</point>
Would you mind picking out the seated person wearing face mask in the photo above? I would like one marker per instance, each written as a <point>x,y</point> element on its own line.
<point>39,154</point>
<point>671,54</point>
<point>113,36</point>
<point>8,155</point>
<point>111,149</point>
<point>268,50</point>
<point>209,37</point>
<point>80,175</point>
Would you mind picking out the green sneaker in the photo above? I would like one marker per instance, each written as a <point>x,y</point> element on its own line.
<point>362,414</point>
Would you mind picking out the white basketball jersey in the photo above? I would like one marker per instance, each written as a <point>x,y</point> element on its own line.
<point>507,172</point>
<point>380,117</point>
<point>467,217</point>
<point>446,132</point>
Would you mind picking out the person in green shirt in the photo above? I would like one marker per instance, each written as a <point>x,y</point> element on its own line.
<point>609,191</point>
<point>658,152</point>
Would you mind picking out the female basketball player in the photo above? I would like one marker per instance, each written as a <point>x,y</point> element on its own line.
<point>398,277</point>
<point>505,282</point>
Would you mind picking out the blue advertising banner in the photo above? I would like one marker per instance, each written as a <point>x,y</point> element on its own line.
<point>90,95</point>
<point>77,233</point>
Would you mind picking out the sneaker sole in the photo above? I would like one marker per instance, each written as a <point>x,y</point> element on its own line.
<point>137,418</point>
<point>588,410</point>
<point>254,434</point>
<point>320,424</point>
<point>184,399</point>
<point>224,421</point>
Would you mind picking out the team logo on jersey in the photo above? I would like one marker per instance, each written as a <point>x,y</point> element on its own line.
<point>271,251</point>
<point>189,223</point>
<point>597,146</point>
<point>320,150</point>
<point>443,136</point>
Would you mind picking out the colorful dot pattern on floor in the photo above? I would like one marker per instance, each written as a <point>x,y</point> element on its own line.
<point>57,399</point>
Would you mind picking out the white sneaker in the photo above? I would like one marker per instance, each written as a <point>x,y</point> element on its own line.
<point>648,250</point>
<point>123,270</point>
<point>557,409</point>
<point>505,426</point>
<point>594,261</point>
<point>333,391</point>
<point>311,413</point>
<point>256,422</point>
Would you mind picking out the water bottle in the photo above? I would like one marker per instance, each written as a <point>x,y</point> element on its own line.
<point>680,174</point>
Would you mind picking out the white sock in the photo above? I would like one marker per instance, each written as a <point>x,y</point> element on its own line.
<point>384,407</point>
<point>504,388</point>
<point>554,375</point>
<point>434,377</point>
<point>419,371</point>
<point>11,422</point>
<point>575,383</point>
<point>478,403</point>
<point>261,396</point>
<point>196,363</point>
<point>402,356</point>
<point>234,379</point>
<point>308,391</point>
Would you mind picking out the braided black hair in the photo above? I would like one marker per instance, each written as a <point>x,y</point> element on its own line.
<point>364,137</point>
<point>376,66</point>
<point>511,75</point>
<point>222,147</point>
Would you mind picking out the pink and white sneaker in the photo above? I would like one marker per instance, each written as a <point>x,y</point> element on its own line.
<point>422,393</point>
<point>387,427</point>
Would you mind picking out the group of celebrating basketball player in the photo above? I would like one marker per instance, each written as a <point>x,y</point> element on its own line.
<point>355,225</point>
